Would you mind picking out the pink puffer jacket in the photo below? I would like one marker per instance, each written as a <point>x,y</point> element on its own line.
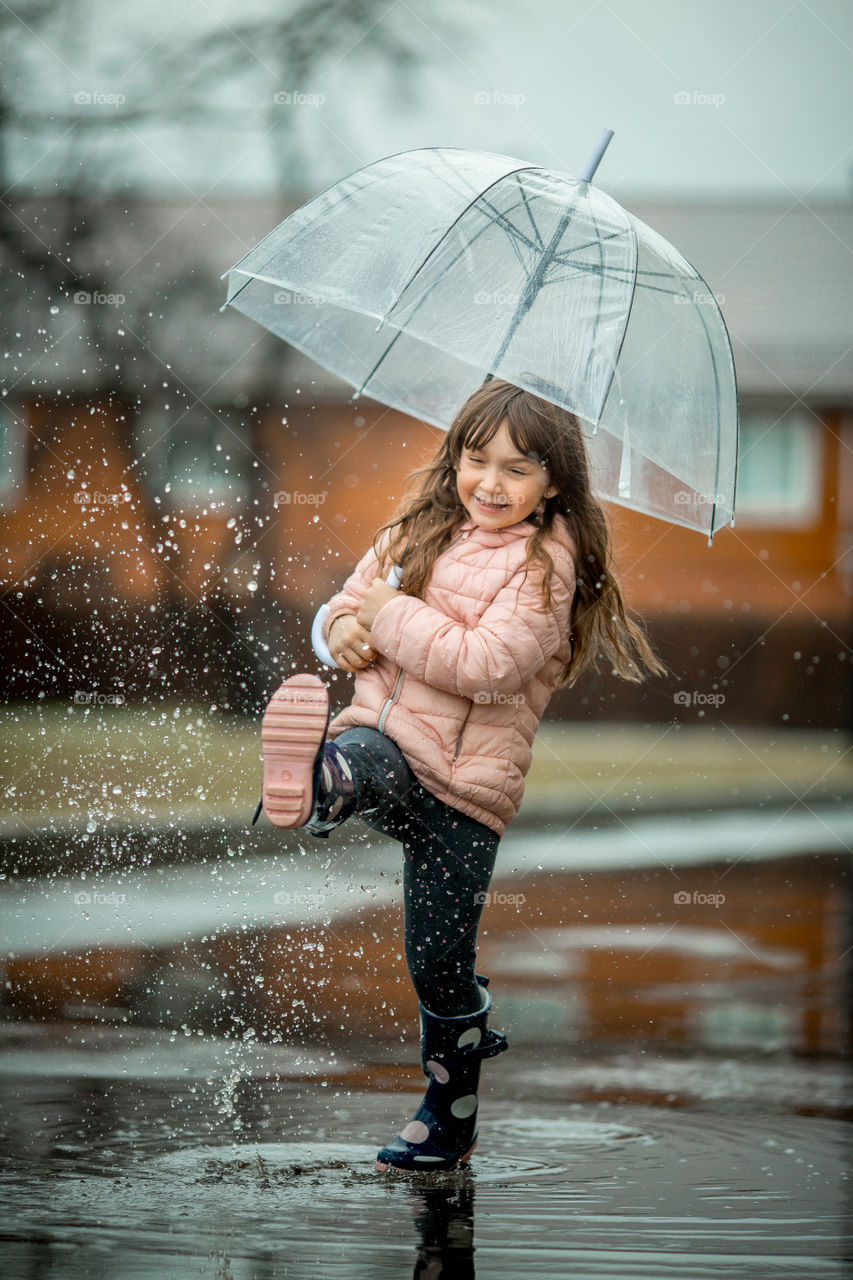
<point>463,676</point>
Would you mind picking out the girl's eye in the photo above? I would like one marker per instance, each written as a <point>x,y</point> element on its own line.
<point>516,471</point>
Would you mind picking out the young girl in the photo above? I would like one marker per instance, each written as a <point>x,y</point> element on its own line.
<point>507,591</point>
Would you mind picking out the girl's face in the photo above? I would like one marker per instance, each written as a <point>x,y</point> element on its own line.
<point>497,485</point>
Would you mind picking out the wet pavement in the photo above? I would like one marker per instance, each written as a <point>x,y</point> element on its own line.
<point>196,1170</point>
<point>199,1062</point>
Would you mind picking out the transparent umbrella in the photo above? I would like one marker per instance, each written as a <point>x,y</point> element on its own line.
<point>417,276</point>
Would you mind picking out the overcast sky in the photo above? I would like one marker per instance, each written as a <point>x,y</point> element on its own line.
<point>736,98</point>
<point>769,88</point>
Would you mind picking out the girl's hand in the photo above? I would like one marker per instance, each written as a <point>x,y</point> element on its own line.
<point>349,643</point>
<point>377,594</point>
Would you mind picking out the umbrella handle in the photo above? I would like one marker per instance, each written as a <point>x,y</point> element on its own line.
<point>595,159</point>
<point>318,644</point>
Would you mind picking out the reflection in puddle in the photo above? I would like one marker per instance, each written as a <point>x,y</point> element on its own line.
<point>751,956</point>
<point>555,1188</point>
<point>745,956</point>
<point>676,1103</point>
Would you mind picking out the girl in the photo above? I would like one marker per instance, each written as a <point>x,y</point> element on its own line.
<point>506,592</point>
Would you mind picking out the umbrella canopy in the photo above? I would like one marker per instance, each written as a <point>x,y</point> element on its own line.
<point>415,277</point>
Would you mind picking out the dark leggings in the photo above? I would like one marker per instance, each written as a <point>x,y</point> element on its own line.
<point>448,859</point>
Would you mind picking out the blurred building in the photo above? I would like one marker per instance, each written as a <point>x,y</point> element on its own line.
<point>180,491</point>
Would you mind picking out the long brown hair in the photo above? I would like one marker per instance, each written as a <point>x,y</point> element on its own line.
<point>423,524</point>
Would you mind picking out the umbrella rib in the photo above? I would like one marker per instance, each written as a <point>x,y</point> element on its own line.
<point>516,248</point>
<point>245,283</point>
<point>498,219</point>
<point>448,267</point>
<point>514,232</point>
<point>385,353</point>
<point>591,244</point>
<point>416,273</point>
<point>446,233</point>
<point>613,273</point>
<point>539,241</point>
<point>717,402</point>
<point>565,260</point>
<point>511,227</point>
<point>624,327</point>
<point>533,285</point>
<point>600,289</point>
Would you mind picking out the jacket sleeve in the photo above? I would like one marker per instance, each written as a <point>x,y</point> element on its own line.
<point>515,636</point>
<point>351,594</point>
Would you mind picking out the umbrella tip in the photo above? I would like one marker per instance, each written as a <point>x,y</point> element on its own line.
<point>594,160</point>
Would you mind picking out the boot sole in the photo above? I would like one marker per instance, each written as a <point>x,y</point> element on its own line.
<point>393,1168</point>
<point>292,733</point>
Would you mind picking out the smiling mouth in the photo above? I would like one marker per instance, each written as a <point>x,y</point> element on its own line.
<point>491,506</point>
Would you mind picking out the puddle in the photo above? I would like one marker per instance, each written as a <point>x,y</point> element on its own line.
<point>677,1103</point>
<point>131,1179</point>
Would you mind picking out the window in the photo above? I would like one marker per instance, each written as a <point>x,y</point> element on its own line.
<point>13,447</point>
<point>780,468</point>
<point>199,458</point>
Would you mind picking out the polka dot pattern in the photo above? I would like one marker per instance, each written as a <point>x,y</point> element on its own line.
<point>444,1128</point>
<point>415,1131</point>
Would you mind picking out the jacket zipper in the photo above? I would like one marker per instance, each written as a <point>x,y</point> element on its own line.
<point>461,731</point>
<point>388,701</point>
<point>386,707</point>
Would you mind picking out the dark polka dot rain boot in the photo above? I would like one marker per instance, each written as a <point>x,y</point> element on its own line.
<point>337,792</point>
<point>307,780</point>
<point>443,1131</point>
